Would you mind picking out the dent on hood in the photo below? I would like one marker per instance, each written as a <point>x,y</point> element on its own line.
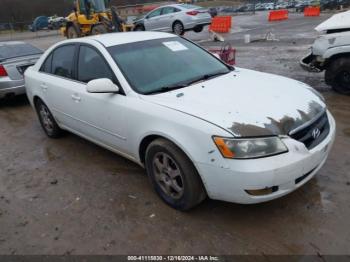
<point>278,126</point>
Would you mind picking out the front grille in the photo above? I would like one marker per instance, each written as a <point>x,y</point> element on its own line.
<point>314,133</point>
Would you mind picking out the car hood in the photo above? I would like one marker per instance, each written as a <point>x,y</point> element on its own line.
<point>337,21</point>
<point>247,103</point>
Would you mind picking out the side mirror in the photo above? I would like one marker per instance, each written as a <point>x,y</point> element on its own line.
<point>103,85</point>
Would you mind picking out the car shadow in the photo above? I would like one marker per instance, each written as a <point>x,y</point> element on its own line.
<point>15,101</point>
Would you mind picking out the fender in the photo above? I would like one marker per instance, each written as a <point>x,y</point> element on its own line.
<point>336,50</point>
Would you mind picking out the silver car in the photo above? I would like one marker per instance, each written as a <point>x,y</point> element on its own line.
<point>15,58</point>
<point>176,18</point>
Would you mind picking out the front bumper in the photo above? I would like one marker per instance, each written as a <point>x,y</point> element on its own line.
<point>10,87</point>
<point>308,64</point>
<point>286,172</point>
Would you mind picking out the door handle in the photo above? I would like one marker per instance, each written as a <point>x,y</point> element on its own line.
<point>43,87</point>
<point>76,98</point>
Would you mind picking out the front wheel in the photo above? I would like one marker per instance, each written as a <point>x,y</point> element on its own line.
<point>338,75</point>
<point>99,30</point>
<point>173,175</point>
<point>72,32</point>
<point>139,28</point>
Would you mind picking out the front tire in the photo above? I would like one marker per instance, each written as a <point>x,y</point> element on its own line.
<point>178,28</point>
<point>47,121</point>
<point>198,29</point>
<point>338,75</point>
<point>173,175</point>
<point>139,28</point>
<point>99,30</point>
<point>72,32</point>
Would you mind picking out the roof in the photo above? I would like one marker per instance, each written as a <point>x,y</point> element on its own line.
<point>113,39</point>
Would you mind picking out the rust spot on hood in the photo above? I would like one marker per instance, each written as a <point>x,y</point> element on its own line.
<point>278,126</point>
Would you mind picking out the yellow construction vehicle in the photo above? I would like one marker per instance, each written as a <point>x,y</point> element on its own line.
<point>92,17</point>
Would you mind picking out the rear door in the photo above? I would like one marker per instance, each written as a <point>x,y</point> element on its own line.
<point>167,18</point>
<point>59,86</point>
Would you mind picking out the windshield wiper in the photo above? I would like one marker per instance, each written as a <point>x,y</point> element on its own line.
<point>167,88</point>
<point>206,77</point>
<point>178,86</point>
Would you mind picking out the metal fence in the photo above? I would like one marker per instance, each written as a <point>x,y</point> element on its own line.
<point>22,30</point>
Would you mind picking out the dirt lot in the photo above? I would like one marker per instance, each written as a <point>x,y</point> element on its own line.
<point>69,196</point>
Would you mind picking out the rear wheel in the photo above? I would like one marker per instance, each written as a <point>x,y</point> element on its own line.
<point>173,175</point>
<point>178,28</point>
<point>338,75</point>
<point>72,32</point>
<point>47,120</point>
<point>198,29</point>
<point>99,30</point>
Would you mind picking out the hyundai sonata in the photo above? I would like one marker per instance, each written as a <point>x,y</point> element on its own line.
<point>199,126</point>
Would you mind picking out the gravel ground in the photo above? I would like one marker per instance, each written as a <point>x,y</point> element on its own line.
<point>69,196</point>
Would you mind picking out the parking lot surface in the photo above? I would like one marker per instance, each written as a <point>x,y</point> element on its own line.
<point>69,196</point>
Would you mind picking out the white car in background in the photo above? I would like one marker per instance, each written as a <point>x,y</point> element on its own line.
<point>176,18</point>
<point>200,127</point>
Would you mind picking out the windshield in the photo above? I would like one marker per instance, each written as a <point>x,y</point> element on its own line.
<point>155,65</point>
<point>14,50</point>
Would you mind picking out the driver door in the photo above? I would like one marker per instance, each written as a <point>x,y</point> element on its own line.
<point>101,116</point>
<point>153,20</point>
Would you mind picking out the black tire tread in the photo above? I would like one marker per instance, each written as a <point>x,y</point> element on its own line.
<point>333,69</point>
<point>57,131</point>
<point>196,194</point>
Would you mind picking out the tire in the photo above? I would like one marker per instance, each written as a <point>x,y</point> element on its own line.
<point>139,28</point>
<point>72,32</point>
<point>99,30</point>
<point>198,29</point>
<point>47,121</point>
<point>338,75</point>
<point>178,28</point>
<point>173,175</point>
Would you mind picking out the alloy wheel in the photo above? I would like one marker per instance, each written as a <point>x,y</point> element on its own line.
<point>168,175</point>
<point>178,29</point>
<point>46,118</point>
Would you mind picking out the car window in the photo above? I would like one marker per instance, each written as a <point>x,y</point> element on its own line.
<point>187,6</point>
<point>168,10</point>
<point>46,67</point>
<point>92,66</point>
<point>17,49</point>
<point>62,61</point>
<point>155,13</point>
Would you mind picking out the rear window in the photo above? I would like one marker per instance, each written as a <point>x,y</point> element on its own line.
<point>8,51</point>
<point>187,6</point>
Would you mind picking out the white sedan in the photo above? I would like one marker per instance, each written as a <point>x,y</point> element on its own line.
<point>199,127</point>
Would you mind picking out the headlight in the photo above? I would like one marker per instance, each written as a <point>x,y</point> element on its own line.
<point>244,148</point>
